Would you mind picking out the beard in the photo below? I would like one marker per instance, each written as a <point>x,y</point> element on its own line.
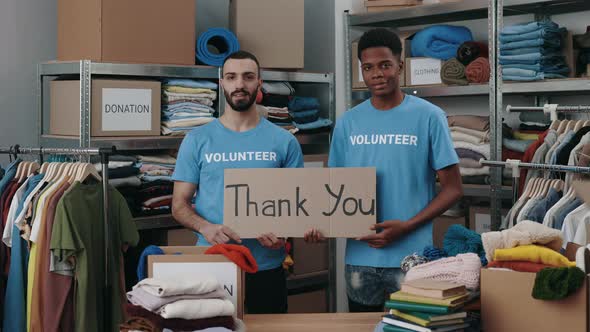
<point>242,105</point>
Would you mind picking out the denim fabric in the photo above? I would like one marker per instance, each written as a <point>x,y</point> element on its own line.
<point>516,144</point>
<point>556,69</point>
<point>539,77</point>
<point>544,33</point>
<point>520,72</point>
<point>529,27</point>
<point>532,58</point>
<point>538,211</point>
<point>303,104</point>
<point>371,286</point>
<point>564,211</point>
<point>320,123</point>
<point>305,116</point>
<point>531,43</point>
<point>528,50</point>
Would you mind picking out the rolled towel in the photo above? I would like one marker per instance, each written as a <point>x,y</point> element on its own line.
<point>439,41</point>
<point>471,50</point>
<point>453,72</point>
<point>463,269</point>
<point>478,71</point>
<point>221,39</point>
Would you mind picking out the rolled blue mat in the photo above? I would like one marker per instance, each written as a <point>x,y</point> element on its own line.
<point>222,39</point>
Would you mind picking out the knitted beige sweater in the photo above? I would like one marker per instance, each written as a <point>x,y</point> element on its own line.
<point>463,269</point>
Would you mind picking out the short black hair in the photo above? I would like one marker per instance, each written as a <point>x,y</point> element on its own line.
<point>240,55</point>
<point>380,37</point>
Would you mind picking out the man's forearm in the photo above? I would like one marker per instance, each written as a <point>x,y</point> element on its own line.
<point>186,216</point>
<point>441,203</point>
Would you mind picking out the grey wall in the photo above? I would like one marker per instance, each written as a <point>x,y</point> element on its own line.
<point>27,35</point>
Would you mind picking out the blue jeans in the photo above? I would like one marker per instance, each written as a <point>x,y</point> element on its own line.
<point>544,33</point>
<point>537,49</point>
<point>532,58</point>
<point>531,43</point>
<point>371,286</point>
<point>529,27</point>
<point>557,69</point>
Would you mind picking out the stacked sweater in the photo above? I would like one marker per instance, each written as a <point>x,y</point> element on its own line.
<point>471,138</point>
<point>151,193</point>
<point>179,304</point>
<point>186,104</point>
<point>275,98</point>
<point>532,52</point>
<point>305,112</point>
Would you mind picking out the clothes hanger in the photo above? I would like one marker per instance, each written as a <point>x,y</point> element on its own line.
<point>570,126</point>
<point>543,187</point>
<point>554,124</point>
<point>44,167</point>
<point>529,187</point>
<point>87,170</point>
<point>579,125</point>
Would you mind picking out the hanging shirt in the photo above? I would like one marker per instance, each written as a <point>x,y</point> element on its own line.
<point>79,232</point>
<point>14,302</point>
<point>571,223</point>
<point>210,149</point>
<point>406,145</point>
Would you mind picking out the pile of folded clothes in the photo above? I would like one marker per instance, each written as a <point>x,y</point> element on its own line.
<point>179,304</point>
<point>471,138</point>
<point>151,193</point>
<point>123,171</point>
<point>532,52</point>
<point>186,104</point>
<point>275,97</point>
<point>305,112</point>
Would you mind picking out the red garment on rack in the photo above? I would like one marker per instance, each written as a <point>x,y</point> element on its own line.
<point>528,157</point>
<point>510,154</point>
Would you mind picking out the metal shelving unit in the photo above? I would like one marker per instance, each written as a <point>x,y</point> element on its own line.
<point>494,11</point>
<point>85,70</point>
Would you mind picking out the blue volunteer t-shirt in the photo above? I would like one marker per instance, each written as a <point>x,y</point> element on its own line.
<point>407,145</point>
<point>208,150</point>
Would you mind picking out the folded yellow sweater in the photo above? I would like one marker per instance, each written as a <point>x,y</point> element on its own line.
<point>533,253</point>
<point>180,89</point>
<point>525,136</point>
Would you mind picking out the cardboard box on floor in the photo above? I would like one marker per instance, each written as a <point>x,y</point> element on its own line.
<point>507,305</point>
<point>192,261</point>
<point>135,31</point>
<point>273,30</point>
<point>118,107</point>
<point>357,75</point>
<point>340,202</point>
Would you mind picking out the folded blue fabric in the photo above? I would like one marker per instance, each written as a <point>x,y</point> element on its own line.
<point>528,27</point>
<point>532,58</point>
<point>320,123</point>
<point>439,41</point>
<point>539,77</point>
<point>142,265</point>
<point>184,117</point>
<point>516,144</point>
<point>303,103</point>
<point>537,49</point>
<point>302,117</point>
<point>544,33</point>
<point>188,83</point>
<point>531,43</point>
<point>555,69</point>
<point>221,39</point>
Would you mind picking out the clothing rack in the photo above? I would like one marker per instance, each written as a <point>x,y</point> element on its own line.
<point>104,154</point>
<point>516,165</point>
<point>551,109</point>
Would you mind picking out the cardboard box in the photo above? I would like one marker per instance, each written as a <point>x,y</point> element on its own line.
<point>181,237</point>
<point>118,108</point>
<point>340,202</point>
<point>480,218</point>
<point>380,9</point>
<point>192,261</point>
<point>136,31</point>
<point>309,302</point>
<point>567,51</point>
<point>423,71</point>
<point>273,30</point>
<point>309,257</point>
<point>441,225</point>
<point>507,305</point>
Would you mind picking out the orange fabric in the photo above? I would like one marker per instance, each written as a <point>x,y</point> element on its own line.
<point>519,266</point>
<point>237,254</point>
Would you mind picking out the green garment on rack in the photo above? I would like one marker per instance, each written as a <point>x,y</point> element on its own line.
<point>79,232</point>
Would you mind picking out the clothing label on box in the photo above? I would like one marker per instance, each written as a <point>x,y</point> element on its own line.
<point>425,71</point>
<point>126,109</point>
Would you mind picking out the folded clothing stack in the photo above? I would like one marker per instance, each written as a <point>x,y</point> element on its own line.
<point>471,138</point>
<point>532,52</point>
<point>305,112</point>
<point>186,104</point>
<point>152,193</point>
<point>179,304</point>
<point>123,171</point>
<point>276,97</point>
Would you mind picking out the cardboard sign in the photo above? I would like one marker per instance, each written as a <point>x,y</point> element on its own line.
<point>340,202</point>
<point>191,261</point>
<point>423,71</point>
<point>126,109</point>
